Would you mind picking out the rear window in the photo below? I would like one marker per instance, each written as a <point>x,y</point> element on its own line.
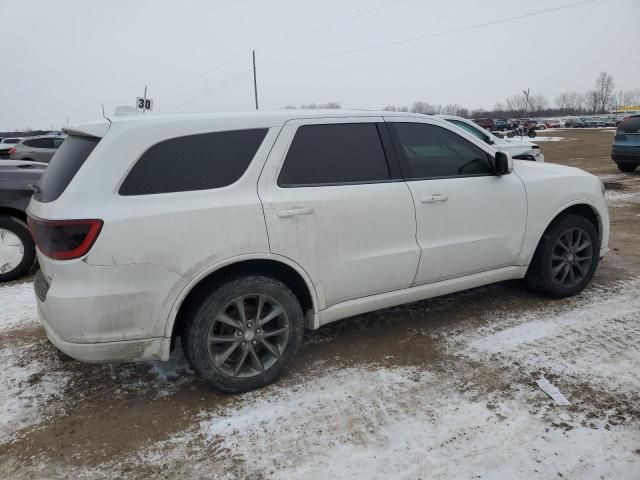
<point>630,125</point>
<point>63,167</point>
<point>193,162</point>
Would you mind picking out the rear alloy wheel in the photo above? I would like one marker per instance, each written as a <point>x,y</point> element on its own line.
<point>244,334</point>
<point>626,167</point>
<point>17,249</point>
<point>566,258</point>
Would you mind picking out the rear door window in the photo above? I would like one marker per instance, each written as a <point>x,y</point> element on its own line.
<point>334,154</point>
<point>193,162</point>
<point>63,166</point>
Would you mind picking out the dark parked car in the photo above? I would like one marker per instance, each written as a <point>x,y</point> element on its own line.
<point>574,123</point>
<point>36,149</point>
<point>625,150</point>
<point>17,250</point>
<point>501,125</point>
<point>486,123</point>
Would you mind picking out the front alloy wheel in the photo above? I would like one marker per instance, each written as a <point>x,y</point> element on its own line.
<point>571,258</point>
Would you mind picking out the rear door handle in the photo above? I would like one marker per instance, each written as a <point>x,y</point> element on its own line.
<point>436,197</point>
<point>294,211</point>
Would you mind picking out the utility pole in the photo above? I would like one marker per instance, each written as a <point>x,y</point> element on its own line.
<point>526,106</point>
<point>255,81</point>
<point>145,99</point>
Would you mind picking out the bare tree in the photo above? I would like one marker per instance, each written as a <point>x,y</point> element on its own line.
<point>390,108</point>
<point>498,107</point>
<point>604,90</point>
<point>423,107</point>
<point>516,103</point>
<point>538,103</point>
<point>592,101</point>
<point>328,105</point>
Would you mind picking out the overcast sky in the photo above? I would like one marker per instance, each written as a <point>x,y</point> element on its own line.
<point>62,59</point>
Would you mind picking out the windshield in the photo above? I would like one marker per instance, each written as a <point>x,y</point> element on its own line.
<point>470,129</point>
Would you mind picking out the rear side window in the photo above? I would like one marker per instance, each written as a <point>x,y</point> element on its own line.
<point>333,154</point>
<point>39,143</point>
<point>428,151</point>
<point>63,166</point>
<point>630,125</point>
<point>193,162</point>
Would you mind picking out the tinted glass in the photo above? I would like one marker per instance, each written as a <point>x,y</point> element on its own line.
<point>193,162</point>
<point>472,130</point>
<point>63,166</point>
<point>57,142</point>
<point>429,151</point>
<point>335,154</point>
<point>11,140</point>
<point>630,125</point>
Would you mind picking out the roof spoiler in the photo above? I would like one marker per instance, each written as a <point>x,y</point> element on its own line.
<point>92,129</point>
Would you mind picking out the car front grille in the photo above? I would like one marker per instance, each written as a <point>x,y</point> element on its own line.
<point>41,286</point>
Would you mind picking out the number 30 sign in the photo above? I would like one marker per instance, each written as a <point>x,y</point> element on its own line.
<point>144,103</point>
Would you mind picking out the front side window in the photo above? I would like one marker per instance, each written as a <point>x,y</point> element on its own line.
<point>333,154</point>
<point>193,162</point>
<point>429,151</point>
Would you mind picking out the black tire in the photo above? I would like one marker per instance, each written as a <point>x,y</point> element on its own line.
<point>511,134</point>
<point>202,320</point>
<point>626,167</point>
<point>531,133</point>
<point>20,230</point>
<point>539,276</point>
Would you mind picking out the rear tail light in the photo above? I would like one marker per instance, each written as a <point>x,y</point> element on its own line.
<point>64,239</point>
<point>12,150</point>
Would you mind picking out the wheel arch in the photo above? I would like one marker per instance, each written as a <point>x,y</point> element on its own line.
<point>277,266</point>
<point>582,208</point>
<point>13,212</point>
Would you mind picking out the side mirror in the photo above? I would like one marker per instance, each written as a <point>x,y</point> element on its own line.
<point>503,163</point>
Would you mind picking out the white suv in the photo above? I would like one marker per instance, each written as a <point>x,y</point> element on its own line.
<point>519,149</point>
<point>234,232</point>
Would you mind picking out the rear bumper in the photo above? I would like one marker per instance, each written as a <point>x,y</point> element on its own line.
<point>626,157</point>
<point>114,313</point>
<point>122,351</point>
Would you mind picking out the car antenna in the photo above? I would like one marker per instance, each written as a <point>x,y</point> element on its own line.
<point>105,116</point>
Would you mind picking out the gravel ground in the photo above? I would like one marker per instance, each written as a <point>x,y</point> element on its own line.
<point>444,388</point>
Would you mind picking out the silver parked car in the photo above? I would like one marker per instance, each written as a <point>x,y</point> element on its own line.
<point>36,149</point>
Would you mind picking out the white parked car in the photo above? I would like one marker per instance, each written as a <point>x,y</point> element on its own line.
<point>519,149</point>
<point>234,232</point>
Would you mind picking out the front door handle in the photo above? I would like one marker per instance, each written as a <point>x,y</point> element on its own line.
<point>436,197</point>
<point>294,211</point>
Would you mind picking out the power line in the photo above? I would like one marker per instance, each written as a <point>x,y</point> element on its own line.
<point>210,91</point>
<point>423,37</point>
<point>294,36</point>
<point>332,24</point>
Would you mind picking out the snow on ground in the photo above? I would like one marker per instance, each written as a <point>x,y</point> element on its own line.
<point>423,422</point>
<point>27,386</point>
<point>17,306</point>
<point>475,413</point>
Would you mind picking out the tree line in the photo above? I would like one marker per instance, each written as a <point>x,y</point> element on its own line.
<point>601,99</point>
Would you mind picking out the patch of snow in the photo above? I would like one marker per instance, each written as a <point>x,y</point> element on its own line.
<point>404,423</point>
<point>594,340</point>
<point>28,384</point>
<point>17,306</point>
<point>616,196</point>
